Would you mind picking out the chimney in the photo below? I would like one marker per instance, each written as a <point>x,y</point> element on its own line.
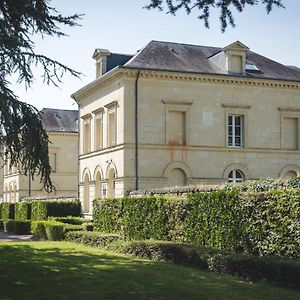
<point>100,56</point>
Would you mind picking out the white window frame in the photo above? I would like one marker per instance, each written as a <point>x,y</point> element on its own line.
<point>234,126</point>
<point>232,176</point>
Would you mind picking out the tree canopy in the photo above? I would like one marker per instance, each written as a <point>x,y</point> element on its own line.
<point>205,6</point>
<point>21,130</point>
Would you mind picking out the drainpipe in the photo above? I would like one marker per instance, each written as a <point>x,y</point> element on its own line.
<point>136,154</point>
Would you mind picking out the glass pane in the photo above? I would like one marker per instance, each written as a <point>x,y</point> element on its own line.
<point>237,141</point>
<point>230,130</point>
<point>237,120</point>
<point>238,174</point>
<point>230,140</point>
<point>230,120</point>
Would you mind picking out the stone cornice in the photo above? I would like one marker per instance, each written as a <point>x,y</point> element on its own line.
<point>289,109</point>
<point>120,72</point>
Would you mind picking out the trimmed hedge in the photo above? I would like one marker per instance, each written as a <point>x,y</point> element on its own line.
<point>7,211</point>
<point>52,230</point>
<point>264,224</point>
<point>18,227</point>
<point>48,230</point>
<point>1,225</point>
<point>280,271</point>
<point>41,210</point>
<point>284,272</point>
<point>93,239</point>
<point>22,211</point>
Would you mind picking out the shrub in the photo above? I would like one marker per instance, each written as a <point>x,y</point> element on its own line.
<point>54,231</point>
<point>281,271</point>
<point>39,230</point>
<point>9,225</point>
<point>265,223</point>
<point>7,211</point>
<point>41,210</point>
<point>22,227</point>
<point>93,239</point>
<point>88,226</point>
<point>22,211</point>
<point>1,225</point>
<point>70,227</point>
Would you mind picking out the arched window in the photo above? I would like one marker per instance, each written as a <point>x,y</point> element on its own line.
<point>86,193</point>
<point>236,176</point>
<point>177,177</point>
<point>98,185</point>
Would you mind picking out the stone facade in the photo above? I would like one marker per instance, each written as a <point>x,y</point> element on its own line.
<point>63,156</point>
<point>144,127</point>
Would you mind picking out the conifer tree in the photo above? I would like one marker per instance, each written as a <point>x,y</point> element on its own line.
<point>21,130</point>
<point>205,6</point>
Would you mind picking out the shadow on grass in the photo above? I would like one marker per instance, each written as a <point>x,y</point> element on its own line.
<point>69,271</point>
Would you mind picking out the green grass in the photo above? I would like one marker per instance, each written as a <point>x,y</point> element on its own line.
<point>60,270</point>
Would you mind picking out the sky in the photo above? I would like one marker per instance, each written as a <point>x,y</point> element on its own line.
<point>125,27</point>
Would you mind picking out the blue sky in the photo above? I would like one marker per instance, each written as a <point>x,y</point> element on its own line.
<point>125,27</point>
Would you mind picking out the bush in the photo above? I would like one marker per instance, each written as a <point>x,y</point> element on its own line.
<point>88,226</point>
<point>22,227</point>
<point>281,271</point>
<point>7,211</point>
<point>9,225</point>
<point>22,211</point>
<point>1,225</point>
<point>265,223</point>
<point>41,210</point>
<point>93,239</point>
<point>54,231</point>
<point>39,230</point>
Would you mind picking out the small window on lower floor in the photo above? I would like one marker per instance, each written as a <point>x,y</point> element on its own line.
<point>236,176</point>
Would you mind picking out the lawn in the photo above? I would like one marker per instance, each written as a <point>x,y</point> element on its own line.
<point>60,270</point>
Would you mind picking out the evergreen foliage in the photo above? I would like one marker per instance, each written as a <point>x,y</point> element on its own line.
<point>21,130</point>
<point>7,210</point>
<point>22,211</point>
<point>256,223</point>
<point>41,210</point>
<point>205,7</point>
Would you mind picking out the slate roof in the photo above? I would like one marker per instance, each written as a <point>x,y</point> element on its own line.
<point>59,120</point>
<point>166,56</point>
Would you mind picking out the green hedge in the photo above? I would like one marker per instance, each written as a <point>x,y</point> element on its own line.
<point>52,230</point>
<point>7,210</point>
<point>41,210</point>
<point>256,223</point>
<point>22,211</point>
<point>93,239</point>
<point>280,271</point>
<point>17,227</point>
<point>48,230</point>
<point>1,225</point>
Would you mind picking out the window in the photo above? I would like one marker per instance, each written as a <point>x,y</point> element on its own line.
<point>235,131</point>
<point>98,129</point>
<point>86,133</point>
<point>236,176</point>
<point>112,124</point>
<point>111,129</point>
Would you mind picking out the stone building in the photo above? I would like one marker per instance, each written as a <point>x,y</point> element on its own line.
<point>62,129</point>
<point>177,114</point>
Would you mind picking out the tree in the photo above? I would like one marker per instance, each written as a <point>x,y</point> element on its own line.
<point>21,130</point>
<point>205,6</point>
